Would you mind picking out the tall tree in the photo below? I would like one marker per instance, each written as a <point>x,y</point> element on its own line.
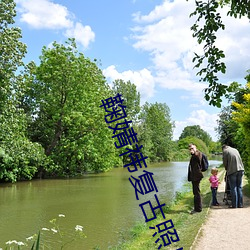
<point>131,97</point>
<point>156,131</point>
<point>227,127</point>
<point>12,51</point>
<point>196,131</point>
<point>229,130</point>
<point>207,24</point>
<point>19,157</point>
<point>66,90</point>
<point>241,115</point>
<point>184,142</point>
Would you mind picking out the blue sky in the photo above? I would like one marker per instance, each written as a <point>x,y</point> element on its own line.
<point>148,42</point>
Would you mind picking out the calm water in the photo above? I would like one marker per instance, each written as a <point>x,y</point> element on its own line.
<point>103,204</point>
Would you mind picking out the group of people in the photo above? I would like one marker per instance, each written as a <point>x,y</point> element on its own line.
<point>234,167</point>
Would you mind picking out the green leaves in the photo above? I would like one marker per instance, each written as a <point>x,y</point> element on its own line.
<point>66,91</point>
<point>155,131</point>
<point>20,157</point>
<point>196,131</point>
<point>131,97</point>
<point>208,14</point>
<point>239,8</point>
<point>210,63</point>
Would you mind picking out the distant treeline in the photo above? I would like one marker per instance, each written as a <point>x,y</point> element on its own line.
<point>50,121</point>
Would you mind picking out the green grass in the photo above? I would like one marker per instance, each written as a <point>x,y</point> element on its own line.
<point>186,225</point>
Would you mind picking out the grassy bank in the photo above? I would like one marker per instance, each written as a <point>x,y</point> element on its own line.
<point>186,225</point>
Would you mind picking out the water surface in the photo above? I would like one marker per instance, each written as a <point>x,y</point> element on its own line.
<point>104,204</point>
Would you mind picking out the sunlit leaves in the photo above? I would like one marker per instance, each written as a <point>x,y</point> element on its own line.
<point>67,89</point>
<point>21,158</point>
<point>210,63</point>
<point>156,130</point>
<point>196,131</point>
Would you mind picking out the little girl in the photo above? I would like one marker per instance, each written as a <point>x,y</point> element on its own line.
<point>214,185</point>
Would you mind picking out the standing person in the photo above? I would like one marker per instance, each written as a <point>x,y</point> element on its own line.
<point>195,175</point>
<point>214,186</point>
<point>235,169</point>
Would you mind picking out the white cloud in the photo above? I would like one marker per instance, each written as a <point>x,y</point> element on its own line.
<point>208,122</point>
<point>234,41</point>
<point>83,34</point>
<point>165,33</point>
<point>143,80</point>
<point>44,14</point>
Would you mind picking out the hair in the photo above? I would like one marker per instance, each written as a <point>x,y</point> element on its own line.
<point>214,170</point>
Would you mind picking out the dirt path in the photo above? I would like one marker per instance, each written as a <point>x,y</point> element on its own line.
<point>225,228</point>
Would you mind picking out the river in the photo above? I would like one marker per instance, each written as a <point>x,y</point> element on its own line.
<point>104,204</point>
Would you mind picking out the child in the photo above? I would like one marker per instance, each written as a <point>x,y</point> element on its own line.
<point>214,185</point>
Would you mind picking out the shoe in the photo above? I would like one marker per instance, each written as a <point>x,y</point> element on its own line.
<point>194,212</point>
<point>217,204</point>
<point>231,207</point>
<point>240,206</point>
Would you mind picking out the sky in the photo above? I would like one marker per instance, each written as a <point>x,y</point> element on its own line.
<point>147,42</point>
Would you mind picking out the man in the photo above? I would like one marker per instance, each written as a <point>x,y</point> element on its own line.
<point>235,169</point>
<point>195,175</point>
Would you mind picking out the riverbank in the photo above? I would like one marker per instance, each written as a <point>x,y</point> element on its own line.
<point>186,225</point>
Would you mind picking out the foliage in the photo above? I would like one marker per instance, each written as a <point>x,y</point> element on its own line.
<point>242,116</point>
<point>205,28</point>
<point>65,93</point>
<point>215,148</point>
<point>232,126</point>
<point>20,157</point>
<point>131,98</point>
<point>155,131</point>
<point>201,146</point>
<point>196,131</point>
<point>12,50</point>
<point>181,155</point>
<point>227,127</point>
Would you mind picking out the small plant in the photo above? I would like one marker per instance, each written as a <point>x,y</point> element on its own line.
<point>48,238</point>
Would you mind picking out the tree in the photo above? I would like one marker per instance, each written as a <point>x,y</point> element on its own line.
<point>131,98</point>
<point>229,130</point>
<point>227,127</point>
<point>184,142</point>
<point>196,131</point>
<point>12,50</point>
<point>207,24</point>
<point>65,93</point>
<point>242,116</point>
<point>19,158</point>
<point>156,130</point>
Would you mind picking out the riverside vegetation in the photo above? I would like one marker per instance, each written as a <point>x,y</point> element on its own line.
<point>52,237</point>
<point>50,120</point>
<point>51,124</point>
